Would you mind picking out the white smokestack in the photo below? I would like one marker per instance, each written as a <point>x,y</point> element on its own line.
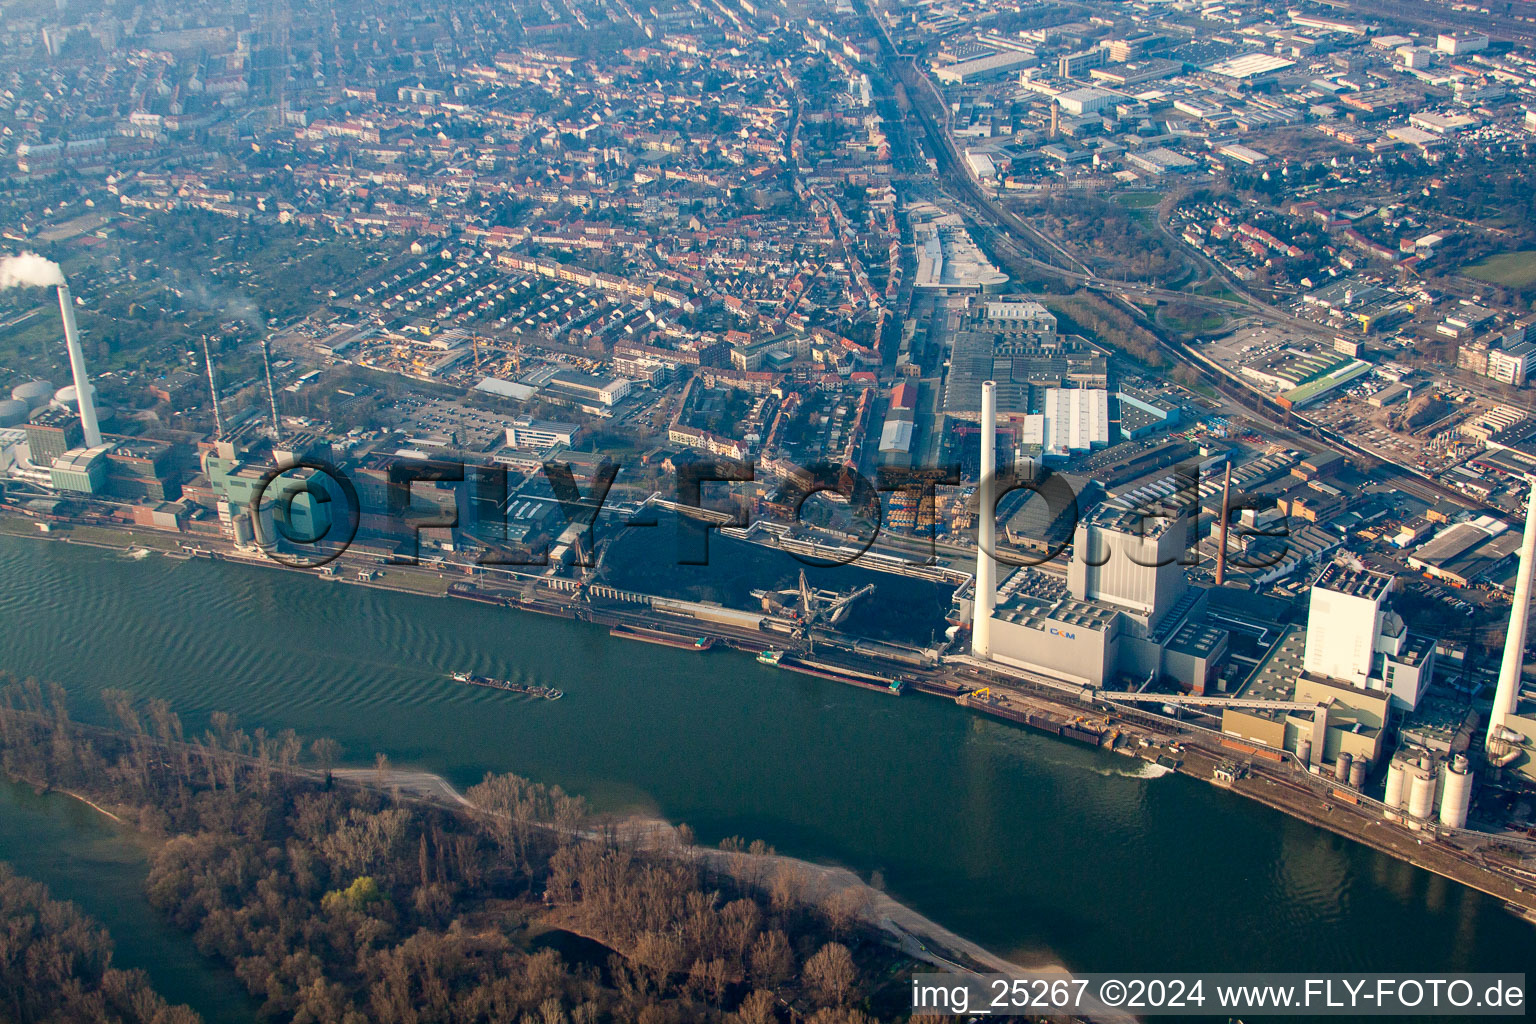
<point>986,530</point>
<point>77,367</point>
<point>28,269</point>
<point>1514,640</point>
<point>213,391</point>
<point>266,357</point>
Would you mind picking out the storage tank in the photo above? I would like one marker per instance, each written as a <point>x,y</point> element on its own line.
<point>1456,793</point>
<point>1394,797</point>
<point>66,397</point>
<point>1341,767</point>
<point>1357,773</point>
<point>1304,752</point>
<point>1421,795</point>
<point>34,392</point>
<point>13,411</point>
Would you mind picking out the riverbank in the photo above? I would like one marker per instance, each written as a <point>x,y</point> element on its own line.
<point>1037,849</point>
<point>921,937</point>
<point>1263,784</point>
<point>542,850</point>
<point>937,944</point>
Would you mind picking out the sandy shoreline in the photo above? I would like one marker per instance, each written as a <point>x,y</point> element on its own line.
<point>919,937</point>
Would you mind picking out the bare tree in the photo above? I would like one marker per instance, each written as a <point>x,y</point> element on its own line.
<point>757,1008</point>
<point>772,961</point>
<point>832,973</point>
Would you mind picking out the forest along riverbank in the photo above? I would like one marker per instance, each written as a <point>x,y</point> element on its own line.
<point>336,898</point>
<point>933,943</point>
<point>101,867</point>
<point>1028,846</point>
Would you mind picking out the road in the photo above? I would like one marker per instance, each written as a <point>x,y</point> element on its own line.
<point>1012,229</point>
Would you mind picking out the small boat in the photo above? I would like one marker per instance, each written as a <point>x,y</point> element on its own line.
<point>770,657</point>
<point>897,687</point>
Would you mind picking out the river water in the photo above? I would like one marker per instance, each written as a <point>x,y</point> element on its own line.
<point>1036,848</point>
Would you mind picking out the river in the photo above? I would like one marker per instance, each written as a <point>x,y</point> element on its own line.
<point>1036,848</point>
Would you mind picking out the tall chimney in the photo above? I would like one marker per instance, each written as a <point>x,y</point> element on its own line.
<point>77,367</point>
<point>213,390</point>
<point>986,528</point>
<point>266,358</point>
<point>1514,640</point>
<point>1226,514</point>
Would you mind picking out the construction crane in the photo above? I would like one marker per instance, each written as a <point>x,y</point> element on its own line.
<point>809,605</point>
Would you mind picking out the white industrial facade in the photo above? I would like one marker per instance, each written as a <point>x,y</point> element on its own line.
<point>1071,420</point>
<point>1344,620</point>
<point>1354,637</point>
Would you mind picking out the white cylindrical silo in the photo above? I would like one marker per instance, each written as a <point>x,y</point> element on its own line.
<point>35,393</point>
<point>1456,793</point>
<point>1395,780</point>
<point>68,397</point>
<point>1421,795</point>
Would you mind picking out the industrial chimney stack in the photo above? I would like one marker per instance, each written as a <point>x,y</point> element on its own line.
<point>77,367</point>
<point>986,528</point>
<point>266,358</point>
<point>1514,640</point>
<point>213,390</point>
<point>1226,514</point>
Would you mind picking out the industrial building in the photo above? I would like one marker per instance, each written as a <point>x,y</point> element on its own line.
<point>541,435</point>
<point>81,470</point>
<point>1015,344</point>
<point>1124,612</point>
<point>607,391</point>
<point>297,504</point>
<point>996,65</point>
<point>1354,637</point>
<point>1337,684</point>
<point>50,433</point>
<point>1071,421</point>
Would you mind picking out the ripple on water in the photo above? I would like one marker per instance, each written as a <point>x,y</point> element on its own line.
<point>1013,839</point>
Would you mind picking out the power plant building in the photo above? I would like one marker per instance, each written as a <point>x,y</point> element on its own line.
<point>83,470</point>
<point>51,433</point>
<point>1338,683</point>
<point>139,469</point>
<point>1355,638</point>
<point>289,505</point>
<point>1125,611</point>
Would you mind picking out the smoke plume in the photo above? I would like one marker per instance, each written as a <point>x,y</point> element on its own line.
<point>29,269</point>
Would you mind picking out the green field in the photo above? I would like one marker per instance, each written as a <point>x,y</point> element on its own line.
<point>1197,321</point>
<point>1511,269</point>
<point>1138,200</point>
